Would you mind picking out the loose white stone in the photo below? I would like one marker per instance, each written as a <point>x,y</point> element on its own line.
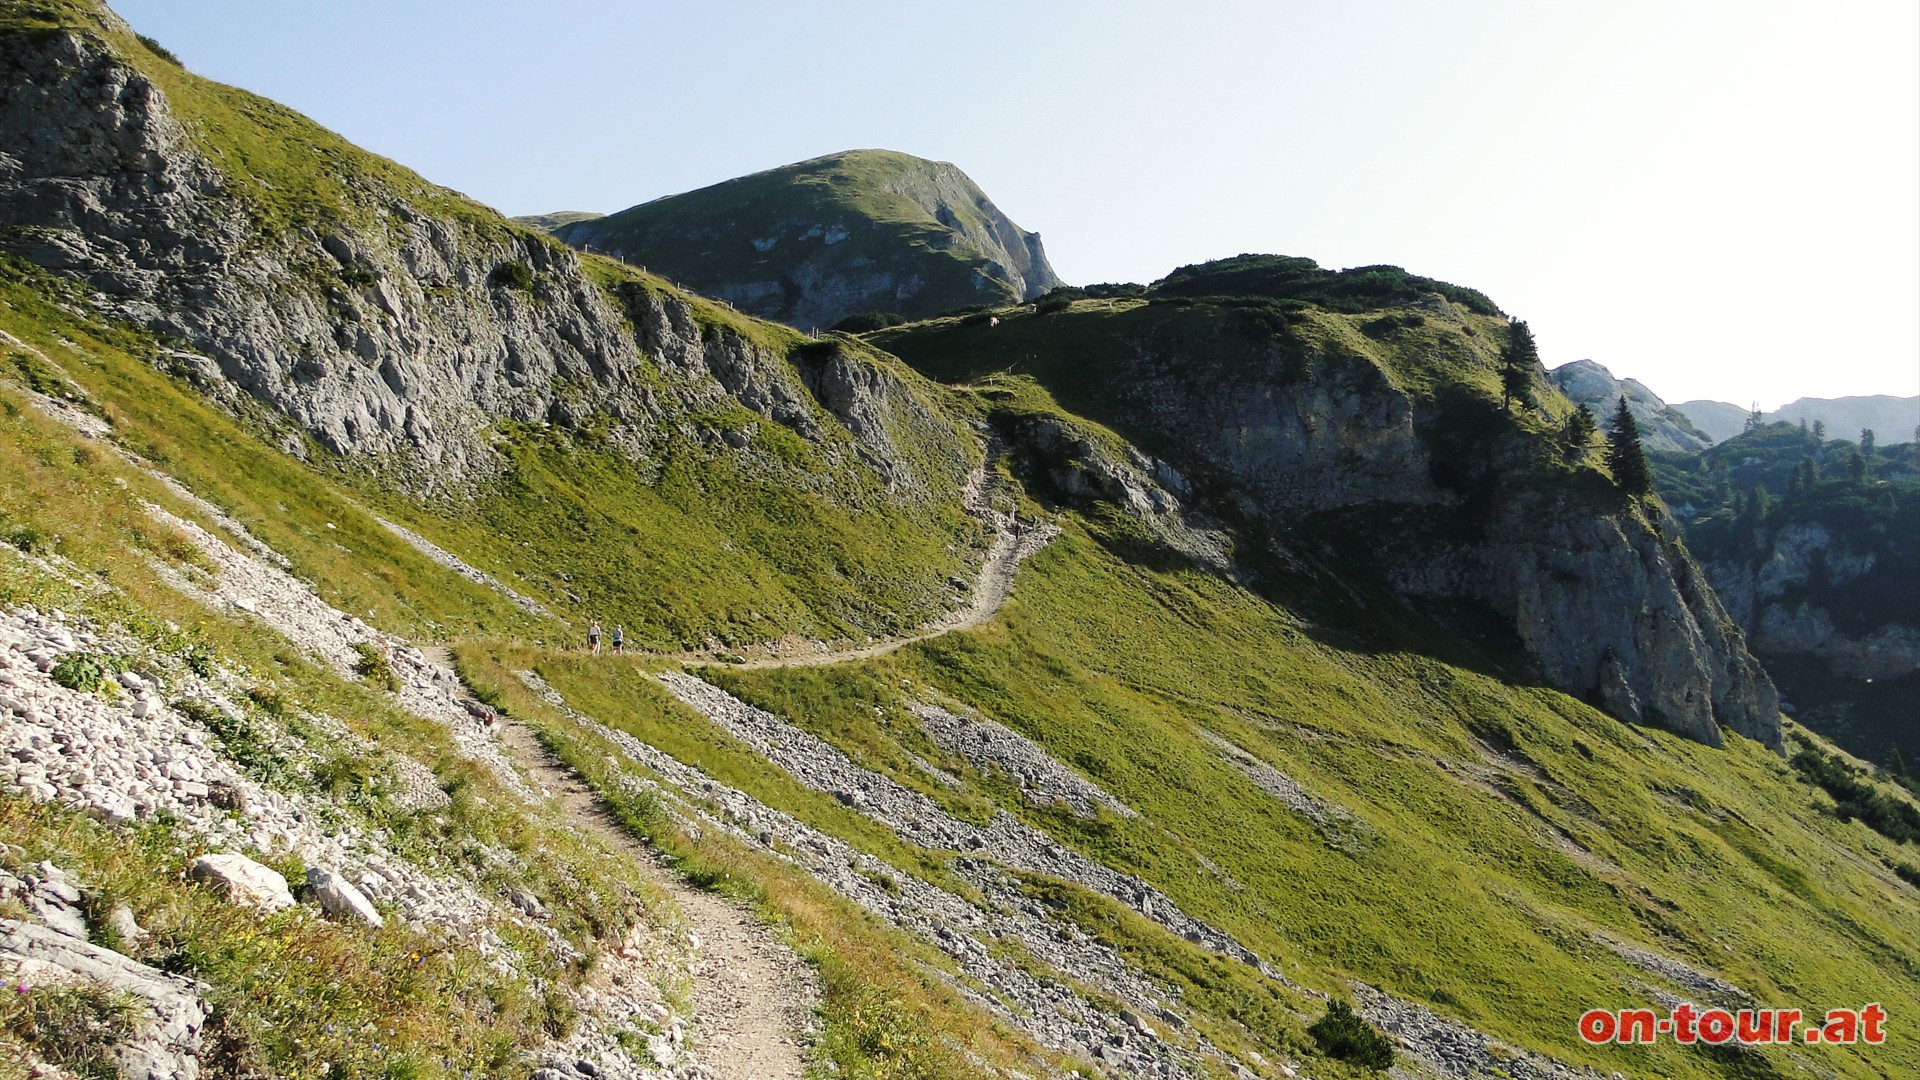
<point>242,881</point>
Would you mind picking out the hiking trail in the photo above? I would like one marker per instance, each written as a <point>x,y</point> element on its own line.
<point>1014,541</point>
<point>751,995</point>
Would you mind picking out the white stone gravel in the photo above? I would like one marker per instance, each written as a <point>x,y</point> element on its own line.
<point>466,570</point>
<point>132,757</point>
<point>989,747</point>
<point>289,605</point>
<point>968,932</point>
<point>920,821</point>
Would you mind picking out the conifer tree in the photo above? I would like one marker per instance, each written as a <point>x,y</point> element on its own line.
<point>1576,436</point>
<point>1820,432</point>
<point>1518,357</point>
<point>1867,444</point>
<point>1625,457</point>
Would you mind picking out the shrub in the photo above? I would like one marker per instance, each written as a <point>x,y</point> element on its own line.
<point>243,743</point>
<point>160,50</point>
<point>269,700</point>
<point>1853,799</point>
<point>1058,300</point>
<point>1907,872</point>
<point>1113,290</point>
<point>30,540</point>
<point>374,666</point>
<point>199,659</point>
<point>867,321</point>
<point>513,275</point>
<point>354,275</point>
<point>83,671</point>
<point>1344,1035</point>
<point>1280,277</point>
<point>1385,325</point>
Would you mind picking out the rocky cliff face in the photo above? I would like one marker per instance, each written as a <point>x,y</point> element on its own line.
<point>813,243</point>
<point>1370,433</point>
<point>1786,599</point>
<point>384,316</point>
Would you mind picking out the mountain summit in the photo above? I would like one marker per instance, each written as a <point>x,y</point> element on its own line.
<point>812,243</point>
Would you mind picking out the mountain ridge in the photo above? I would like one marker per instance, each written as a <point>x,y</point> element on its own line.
<point>1892,419</point>
<point>1662,426</point>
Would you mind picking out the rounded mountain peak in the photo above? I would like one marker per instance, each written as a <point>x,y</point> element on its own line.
<point>811,243</point>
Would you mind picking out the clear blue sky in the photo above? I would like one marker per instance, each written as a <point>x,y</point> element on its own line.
<point>1720,199</point>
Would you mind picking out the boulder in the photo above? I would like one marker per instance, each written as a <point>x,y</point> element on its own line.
<point>338,897</point>
<point>242,881</point>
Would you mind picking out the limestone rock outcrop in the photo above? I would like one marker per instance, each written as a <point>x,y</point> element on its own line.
<point>1338,443</point>
<point>384,317</point>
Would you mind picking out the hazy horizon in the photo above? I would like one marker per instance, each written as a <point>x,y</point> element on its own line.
<point>1717,199</point>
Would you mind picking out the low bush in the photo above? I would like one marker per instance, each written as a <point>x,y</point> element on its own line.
<point>83,671</point>
<point>74,1027</point>
<point>1855,799</point>
<point>160,50</point>
<point>242,742</point>
<point>1344,1035</point>
<point>374,667</point>
<point>867,321</point>
<point>513,275</point>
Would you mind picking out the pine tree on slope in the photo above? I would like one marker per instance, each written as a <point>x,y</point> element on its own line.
<point>1625,457</point>
<point>1518,357</point>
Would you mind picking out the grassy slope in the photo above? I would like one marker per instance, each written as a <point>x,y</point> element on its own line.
<point>703,238</point>
<point>882,1012</point>
<point>886,1013</point>
<point>1451,897</point>
<point>1450,891</point>
<point>290,990</point>
<point>705,549</point>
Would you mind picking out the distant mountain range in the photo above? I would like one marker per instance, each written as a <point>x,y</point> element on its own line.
<point>1695,425</point>
<point>1892,419</point>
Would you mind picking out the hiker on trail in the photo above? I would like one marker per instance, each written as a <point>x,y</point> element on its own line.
<point>593,637</point>
<point>619,638</point>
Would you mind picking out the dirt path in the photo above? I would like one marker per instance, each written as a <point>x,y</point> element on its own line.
<point>1013,542</point>
<point>750,995</point>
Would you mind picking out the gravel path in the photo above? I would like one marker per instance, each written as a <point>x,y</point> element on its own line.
<point>751,996</point>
